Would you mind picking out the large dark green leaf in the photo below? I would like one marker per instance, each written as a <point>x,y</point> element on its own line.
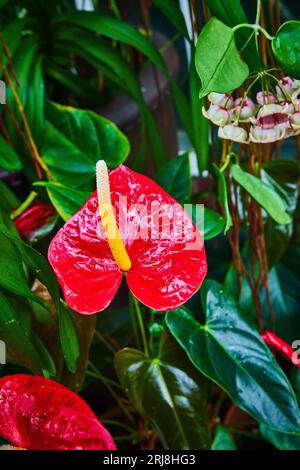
<point>66,200</point>
<point>175,178</point>
<point>262,193</point>
<point>167,391</point>
<point>99,52</point>
<point>286,48</point>
<point>74,141</point>
<point>19,347</point>
<point>280,440</point>
<point>230,351</point>
<point>223,70</point>
<point>11,267</point>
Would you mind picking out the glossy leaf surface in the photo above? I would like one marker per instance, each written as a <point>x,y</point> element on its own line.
<point>169,392</point>
<point>229,350</point>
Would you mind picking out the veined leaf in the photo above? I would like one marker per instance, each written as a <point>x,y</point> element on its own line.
<point>82,137</point>
<point>223,70</point>
<point>230,351</point>
<point>262,193</point>
<point>167,391</point>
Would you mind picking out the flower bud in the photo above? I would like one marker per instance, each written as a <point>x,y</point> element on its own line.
<point>264,97</point>
<point>221,99</point>
<point>234,133</point>
<point>243,109</point>
<point>217,115</point>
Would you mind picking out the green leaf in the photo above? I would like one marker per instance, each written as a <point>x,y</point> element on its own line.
<point>280,440</point>
<point>68,338</point>
<point>231,13</point>
<point>213,223</point>
<point>11,267</point>
<point>168,391</point>
<point>83,138</point>
<point>66,200</point>
<point>223,439</point>
<point>262,193</point>
<point>19,347</point>
<point>223,197</point>
<point>208,222</point>
<point>281,176</point>
<point>99,52</point>
<point>114,29</point>
<point>19,253</point>
<point>9,160</point>
<point>286,48</point>
<point>175,178</point>
<point>230,351</point>
<point>223,70</point>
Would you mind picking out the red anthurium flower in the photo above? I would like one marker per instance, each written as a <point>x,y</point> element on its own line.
<point>40,414</point>
<point>130,224</point>
<point>33,218</point>
<point>272,340</point>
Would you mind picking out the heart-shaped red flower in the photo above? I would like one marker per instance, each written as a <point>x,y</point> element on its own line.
<point>40,414</point>
<point>168,261</point>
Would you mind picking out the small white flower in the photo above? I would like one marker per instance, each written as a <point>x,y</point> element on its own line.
<point>217,115</point>
<point>221,99</point>
<point>244,109</point>
<point>295,120</point>
<point>263,97</point>
<point>234,133</point>
<point>288,87</point>
<point>271,115</point>
<point>263,135</point>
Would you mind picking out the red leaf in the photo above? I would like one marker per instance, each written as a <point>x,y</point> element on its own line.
<point>40,414</point>
<point>167,253</point>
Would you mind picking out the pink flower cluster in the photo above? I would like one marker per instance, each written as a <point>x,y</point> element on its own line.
<point>274,116</point>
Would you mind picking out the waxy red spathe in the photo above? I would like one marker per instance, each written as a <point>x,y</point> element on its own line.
<point>41,414</point>
<point>164,274</point>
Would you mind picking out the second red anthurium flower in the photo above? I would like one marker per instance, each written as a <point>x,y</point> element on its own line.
<point>130,224</point>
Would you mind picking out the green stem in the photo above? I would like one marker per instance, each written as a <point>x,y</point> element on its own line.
<point>109,381</point>
<point>24,205</point>
<point>103,379</point>
<point>255,27</point>
<point>141,324</point>
<point>106,343</point>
